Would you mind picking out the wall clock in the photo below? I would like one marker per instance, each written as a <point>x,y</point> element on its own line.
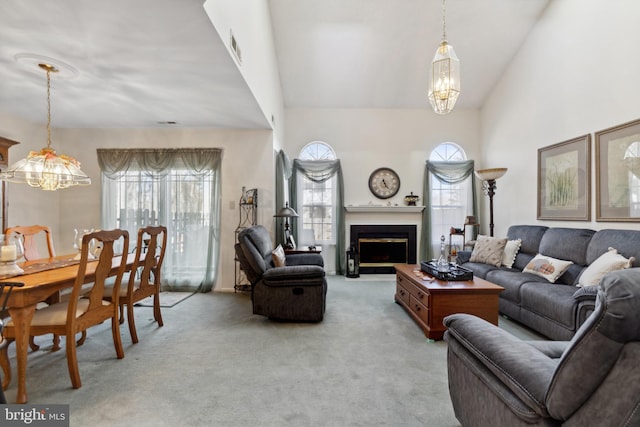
<point>384,183</point>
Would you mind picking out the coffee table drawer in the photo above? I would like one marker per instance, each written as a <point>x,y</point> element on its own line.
<point>419,294</point>
<point>402,294</point>
<point>419,309</point>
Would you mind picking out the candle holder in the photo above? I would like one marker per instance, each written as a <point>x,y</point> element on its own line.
<point>11,250</point>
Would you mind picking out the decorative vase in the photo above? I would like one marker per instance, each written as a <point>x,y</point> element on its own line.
<point>443,264</point>
<point>411,199</point>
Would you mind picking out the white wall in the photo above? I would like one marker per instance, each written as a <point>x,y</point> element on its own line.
<point>577,73</point>
<point>365,140</point>
<point>250,22</point>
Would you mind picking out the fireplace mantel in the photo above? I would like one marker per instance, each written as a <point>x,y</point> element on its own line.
<point>383,209</point>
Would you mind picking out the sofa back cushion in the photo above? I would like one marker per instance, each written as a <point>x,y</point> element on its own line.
<point>569,244</point>
<point>627,242</point>
<point>530,235</point>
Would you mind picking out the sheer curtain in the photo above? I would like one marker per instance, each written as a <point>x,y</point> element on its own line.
<point>450,173</point>
<point>178,188</point>
<point>320,171</point>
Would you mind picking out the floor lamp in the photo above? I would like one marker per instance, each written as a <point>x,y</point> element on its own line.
<point>287,213</point>
<point>489,177</point>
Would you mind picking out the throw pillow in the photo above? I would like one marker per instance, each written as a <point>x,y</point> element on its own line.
<point>278,257</point>
<point>510,251</point>
<point>547,267</point>
<point>606,263</point>
<point>488,250</point>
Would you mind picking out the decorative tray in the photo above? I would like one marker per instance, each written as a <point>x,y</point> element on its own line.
<point>456,273</point>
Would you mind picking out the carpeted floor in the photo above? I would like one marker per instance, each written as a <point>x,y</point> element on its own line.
<point>216,364</point>
<point>167,299</point>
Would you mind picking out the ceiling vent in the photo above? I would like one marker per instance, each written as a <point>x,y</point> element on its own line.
<point>235,48</point>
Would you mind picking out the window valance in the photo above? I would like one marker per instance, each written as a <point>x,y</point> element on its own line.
<point>158,162</point>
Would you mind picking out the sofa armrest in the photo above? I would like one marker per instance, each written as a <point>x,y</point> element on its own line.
<point>463,256</point>
<point>553,349</point>
<point>587,293</point>
<point>520,367</point>
<point>305,259</point>
<point>586,298</point>
<point>299,275</point>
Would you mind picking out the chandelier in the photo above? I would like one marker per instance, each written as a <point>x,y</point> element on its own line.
<point>444,75</point>
<point>45,169</point>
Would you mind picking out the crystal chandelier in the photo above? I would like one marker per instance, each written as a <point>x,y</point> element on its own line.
<point>45,169</point>
<point>444,76</point>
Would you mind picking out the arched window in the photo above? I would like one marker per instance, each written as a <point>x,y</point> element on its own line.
<point>450,203</point>
<point>316,224</point>
<point>448,152</point>
<point>317,150</point>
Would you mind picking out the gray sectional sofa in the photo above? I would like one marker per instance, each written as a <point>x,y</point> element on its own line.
<point>555,310</point>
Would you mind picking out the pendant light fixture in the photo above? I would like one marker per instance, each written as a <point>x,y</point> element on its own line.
<point>45,169</point>
<point>444,76</point>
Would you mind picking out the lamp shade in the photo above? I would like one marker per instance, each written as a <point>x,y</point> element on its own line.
<point>286,212</point>
<point>490,174</point>
<point>46,170</point>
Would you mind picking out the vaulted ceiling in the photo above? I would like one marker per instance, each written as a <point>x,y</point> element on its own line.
<point>143,63</point>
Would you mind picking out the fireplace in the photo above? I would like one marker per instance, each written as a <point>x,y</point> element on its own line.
<point>382,246</point>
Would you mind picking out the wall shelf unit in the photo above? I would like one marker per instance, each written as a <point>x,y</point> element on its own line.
<point>248,211</point>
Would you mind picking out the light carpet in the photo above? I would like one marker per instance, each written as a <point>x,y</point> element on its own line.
<point>216,364</point>
<point>167,299</point>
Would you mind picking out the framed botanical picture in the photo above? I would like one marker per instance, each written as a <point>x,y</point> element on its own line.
<point>618,173</point>
<point>564,180</point>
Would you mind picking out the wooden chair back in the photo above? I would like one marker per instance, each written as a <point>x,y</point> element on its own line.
<point>150,250</point>
<point>28,234</point>
<point>97,312</point>
<point>144,278</point>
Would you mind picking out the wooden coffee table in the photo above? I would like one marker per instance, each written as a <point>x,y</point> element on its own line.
<point>428,301</point>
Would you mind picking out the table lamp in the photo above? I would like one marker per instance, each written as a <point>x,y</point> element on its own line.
<point>287,213</point>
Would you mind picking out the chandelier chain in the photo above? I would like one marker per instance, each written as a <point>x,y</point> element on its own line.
<point>444,21</point>
<point>48,108</point>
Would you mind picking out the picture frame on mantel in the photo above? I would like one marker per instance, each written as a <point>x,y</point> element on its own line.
<point>618,173</point>
<point>564,180</point>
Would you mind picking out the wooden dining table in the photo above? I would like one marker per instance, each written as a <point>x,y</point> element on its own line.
<point>42,278</point>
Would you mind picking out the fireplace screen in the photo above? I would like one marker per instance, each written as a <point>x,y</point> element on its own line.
<point>382,252</point>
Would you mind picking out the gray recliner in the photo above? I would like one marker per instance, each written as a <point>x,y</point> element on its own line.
<point>294,292</point>
<point>496,379</point>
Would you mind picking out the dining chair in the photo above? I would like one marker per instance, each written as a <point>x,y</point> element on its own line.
<point>144,277</point>
<point>86,306</point>
<point>29,235</point>
<point>5,292</point>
